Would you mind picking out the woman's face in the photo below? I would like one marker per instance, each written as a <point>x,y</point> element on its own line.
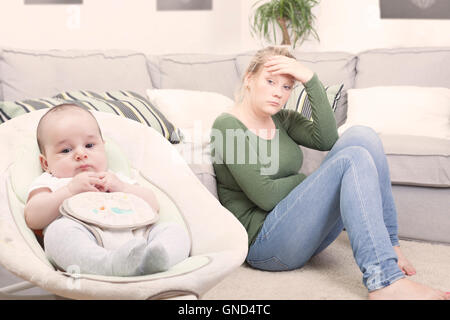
<point>268,93</point>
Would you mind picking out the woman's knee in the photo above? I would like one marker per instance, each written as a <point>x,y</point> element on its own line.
<point>363,136</point>
<point>356,155</point>
<point>361,130</point>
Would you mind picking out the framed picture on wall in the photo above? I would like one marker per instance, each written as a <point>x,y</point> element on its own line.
<point>175,5</point>
<point>53,1</point>
<point>415,9</point>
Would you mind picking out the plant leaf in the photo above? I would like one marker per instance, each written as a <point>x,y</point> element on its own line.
<point>297,14</point>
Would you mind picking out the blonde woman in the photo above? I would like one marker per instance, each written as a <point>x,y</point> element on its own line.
<point>289,217</point>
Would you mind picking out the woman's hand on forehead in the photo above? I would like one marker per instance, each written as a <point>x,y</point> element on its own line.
<point>278,65</point>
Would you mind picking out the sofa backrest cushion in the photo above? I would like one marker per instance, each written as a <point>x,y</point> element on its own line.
<point>31,74</point>
<point>427,67</point>
<point>202,72</point>
<point>331,67</point>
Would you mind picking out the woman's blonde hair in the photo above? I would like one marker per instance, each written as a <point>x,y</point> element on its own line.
<point>261,57</point>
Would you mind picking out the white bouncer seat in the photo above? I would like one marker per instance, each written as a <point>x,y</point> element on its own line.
<point>219,242</point>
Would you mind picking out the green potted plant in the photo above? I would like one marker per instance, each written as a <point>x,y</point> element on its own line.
<point>294,18</point>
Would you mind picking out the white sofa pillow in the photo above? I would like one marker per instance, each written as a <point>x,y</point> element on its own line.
<point>193,112</point>
<point>405,110</point>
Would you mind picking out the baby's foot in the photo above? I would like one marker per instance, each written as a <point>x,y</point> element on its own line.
<point>127,258</point>
<point>169,244</point>
<point>404,264</point>
<point>156,258</point>
<point>405,289</point>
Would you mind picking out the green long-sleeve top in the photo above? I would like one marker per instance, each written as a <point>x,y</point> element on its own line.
<point>254,174</point>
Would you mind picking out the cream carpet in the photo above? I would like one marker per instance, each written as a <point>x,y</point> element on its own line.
<point>333,274</point>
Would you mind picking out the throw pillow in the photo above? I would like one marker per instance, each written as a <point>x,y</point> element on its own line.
<point>12,109</point>
<point>126,104</point>
<point>122,103</point>
<point>193,112</point>
<point>299,101</point>
<point>404,110</point>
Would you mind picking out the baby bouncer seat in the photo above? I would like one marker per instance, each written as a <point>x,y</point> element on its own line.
<point>218,240</point>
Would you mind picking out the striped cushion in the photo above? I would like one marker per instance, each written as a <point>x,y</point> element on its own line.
<point>12,109</point>
<point>122,103</point>
<point>126,104</point>
<point>299,101</point>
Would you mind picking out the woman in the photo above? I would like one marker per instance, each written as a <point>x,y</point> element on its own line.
<point>290,217</point>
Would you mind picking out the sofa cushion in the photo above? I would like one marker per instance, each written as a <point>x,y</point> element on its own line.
<point>12,109</point>
<point>418,161</point>
<point>331,67</point>
<point>405,110</point>
<point>127,104</point>
<point>124,103</point>
<point>200,72</point>
<point>31,74</point>
<point>192,112</point>
<point>404,66</point>
<point>413,161</point>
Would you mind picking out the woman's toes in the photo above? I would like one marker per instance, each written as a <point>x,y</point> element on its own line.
<point>407,267</point>
<point>410,271</point>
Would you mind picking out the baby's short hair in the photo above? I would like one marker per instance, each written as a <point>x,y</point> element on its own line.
<point>59,108</point>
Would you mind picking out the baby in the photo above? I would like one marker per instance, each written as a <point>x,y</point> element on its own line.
<point>74,160</point>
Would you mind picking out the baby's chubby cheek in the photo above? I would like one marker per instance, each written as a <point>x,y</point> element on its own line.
<point>103,165</point>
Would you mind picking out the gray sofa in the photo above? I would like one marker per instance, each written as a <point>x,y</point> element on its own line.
<point>420,167</point>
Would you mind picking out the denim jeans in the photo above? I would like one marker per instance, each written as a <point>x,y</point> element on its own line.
<point>351,189</point>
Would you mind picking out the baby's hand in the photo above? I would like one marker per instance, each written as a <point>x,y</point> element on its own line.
<point>109,182</point>
<point>84,182</point>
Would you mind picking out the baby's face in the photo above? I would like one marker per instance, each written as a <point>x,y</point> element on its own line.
<point>72,144</point>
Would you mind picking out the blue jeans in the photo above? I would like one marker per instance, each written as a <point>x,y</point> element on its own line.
<point>351,189</point>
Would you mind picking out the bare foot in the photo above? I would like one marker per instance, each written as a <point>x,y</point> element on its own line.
<point>405,289</point>
<point>404,264</point>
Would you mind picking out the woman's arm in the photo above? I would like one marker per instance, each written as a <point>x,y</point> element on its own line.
<point>262,190</point>
<point>320,133</point>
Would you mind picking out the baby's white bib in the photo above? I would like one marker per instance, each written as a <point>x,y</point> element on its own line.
<point>113,218</point>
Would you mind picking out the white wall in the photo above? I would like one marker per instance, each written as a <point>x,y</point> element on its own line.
<point>131,24</point>
<point>355,25</point>
<point>343,25</point>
